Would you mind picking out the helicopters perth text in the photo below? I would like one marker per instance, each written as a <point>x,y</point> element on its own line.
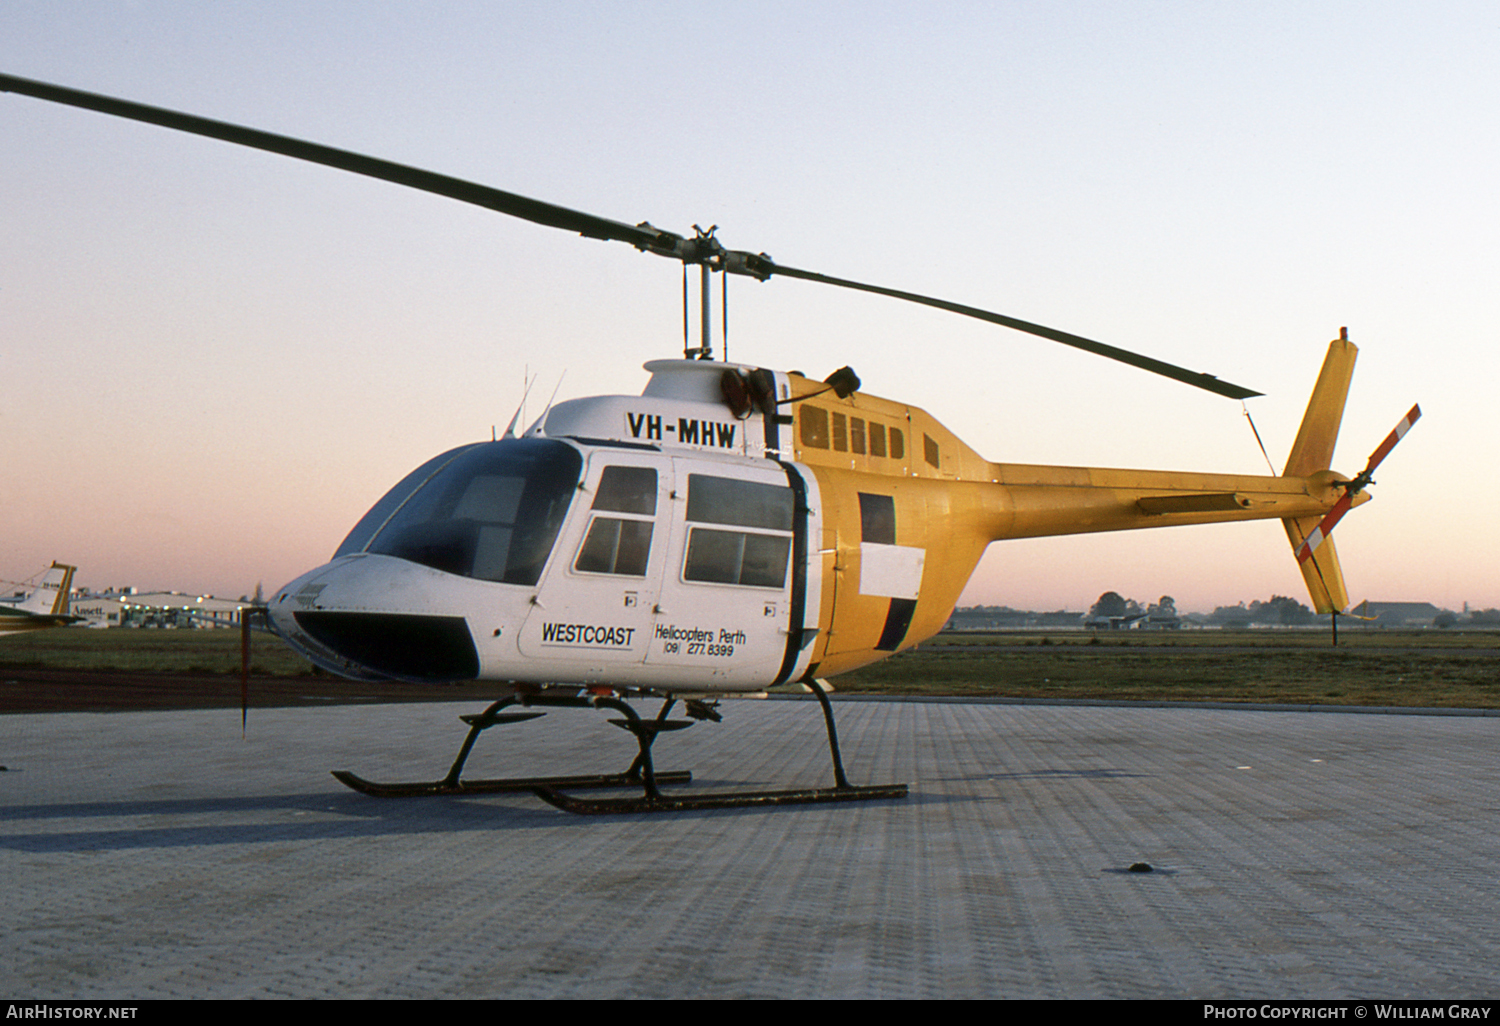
<point>730,529</point>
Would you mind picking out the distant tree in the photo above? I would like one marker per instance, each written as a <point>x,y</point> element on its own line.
<point>1165,606</point>
<point>1231,616</point>
<point>1281,610</point>
<point>1111,603</point>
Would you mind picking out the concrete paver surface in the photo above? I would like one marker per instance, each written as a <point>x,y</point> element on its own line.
<point>1297,855</point>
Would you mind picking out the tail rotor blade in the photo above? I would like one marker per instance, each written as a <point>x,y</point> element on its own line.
<point>1325,527</point>
<point>1390,442</point>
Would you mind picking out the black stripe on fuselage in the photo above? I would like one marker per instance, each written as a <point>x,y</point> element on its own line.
<point>796,615</point>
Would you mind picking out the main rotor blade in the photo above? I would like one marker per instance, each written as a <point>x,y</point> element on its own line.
<point>704,249</point>
<point>1195,378</point>
<point>454,188</point>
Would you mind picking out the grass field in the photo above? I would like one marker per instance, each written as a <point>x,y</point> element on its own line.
<point>1385,668</point>
<point>149,651</point>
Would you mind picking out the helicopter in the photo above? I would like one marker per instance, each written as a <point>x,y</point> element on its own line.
<point>730,529</point>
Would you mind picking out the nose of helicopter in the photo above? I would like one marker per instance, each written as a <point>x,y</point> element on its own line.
<point>377,618</point>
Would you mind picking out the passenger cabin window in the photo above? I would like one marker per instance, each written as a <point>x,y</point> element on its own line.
<point>756,557</point>
<point>814,427</point>
<point>620,545</point>
<point>825,429</point>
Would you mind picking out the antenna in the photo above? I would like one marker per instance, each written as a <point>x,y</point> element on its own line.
<point>551,398</point>
<point>510,429</point>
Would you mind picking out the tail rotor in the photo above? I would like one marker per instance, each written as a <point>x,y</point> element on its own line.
<point>1353,487</point>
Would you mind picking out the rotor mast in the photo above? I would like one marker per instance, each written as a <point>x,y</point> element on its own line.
<point>710,256</point>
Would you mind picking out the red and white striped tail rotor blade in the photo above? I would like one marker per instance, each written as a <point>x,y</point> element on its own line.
<point>1394,437</point>
<point>1325,527</point>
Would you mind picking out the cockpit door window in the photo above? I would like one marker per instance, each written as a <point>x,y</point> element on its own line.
<point>620,544</point>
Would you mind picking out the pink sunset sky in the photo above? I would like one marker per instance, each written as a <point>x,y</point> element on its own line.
<point>213,360</point>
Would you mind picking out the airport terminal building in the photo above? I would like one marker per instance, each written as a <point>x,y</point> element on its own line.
<point>129,608</point>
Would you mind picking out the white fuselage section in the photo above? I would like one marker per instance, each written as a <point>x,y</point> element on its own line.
<point>649,541</point>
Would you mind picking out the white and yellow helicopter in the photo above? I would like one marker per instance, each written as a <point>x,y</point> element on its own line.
<point>730,529</point>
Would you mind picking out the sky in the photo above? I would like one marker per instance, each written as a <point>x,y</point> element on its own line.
<point>214,360</point>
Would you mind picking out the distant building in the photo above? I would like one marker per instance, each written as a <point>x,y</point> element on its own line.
<point>157,609</point>
<point>1000,618</point>
<point>1124,622</point>
<point>1396,614</point>
<point>1162,620</point>
<point>98,610</point>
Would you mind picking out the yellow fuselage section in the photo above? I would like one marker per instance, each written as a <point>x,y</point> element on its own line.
<point>949,503</point>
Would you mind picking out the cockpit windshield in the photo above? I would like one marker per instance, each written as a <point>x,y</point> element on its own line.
<point>489,511</point>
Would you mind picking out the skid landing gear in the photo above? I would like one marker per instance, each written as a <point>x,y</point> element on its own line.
<point>491,717</point>
<point>640,774</point>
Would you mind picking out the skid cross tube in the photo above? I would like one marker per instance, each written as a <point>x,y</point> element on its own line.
<point>653,801</point>
<point>492,716</point>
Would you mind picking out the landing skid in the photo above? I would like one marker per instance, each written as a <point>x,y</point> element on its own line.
<point>725,800</point>
<point>436,788</point>
<point>640,774</point>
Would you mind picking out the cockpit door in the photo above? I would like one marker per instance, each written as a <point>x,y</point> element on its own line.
<point>594,606</point>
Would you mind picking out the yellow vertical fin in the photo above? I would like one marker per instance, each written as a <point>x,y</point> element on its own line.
<point>63,602</point>
<point>1313,452</point>
<point>1321,572</point>
<point>1313,449</point>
